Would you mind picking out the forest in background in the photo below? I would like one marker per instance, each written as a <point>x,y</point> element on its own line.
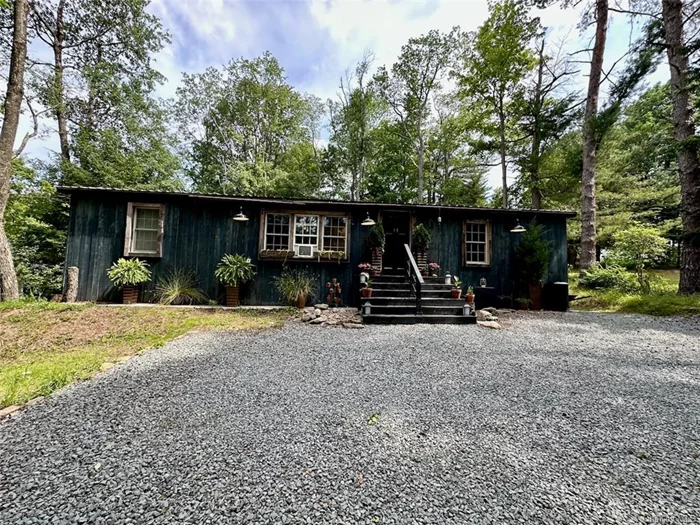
<point>427,128</point>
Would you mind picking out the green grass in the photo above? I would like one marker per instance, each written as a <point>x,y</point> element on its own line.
<point>45,346</point>
<point>663,301</point>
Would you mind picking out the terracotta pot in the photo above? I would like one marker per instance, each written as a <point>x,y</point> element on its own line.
<point>130,294</point>
<point>366,292</point>
<point>233,296</point>
<point>536,296</point>
<point>523,305</point>
<point>424,273</point>
<point>456,293</point>
<point>469,297</point>
<point>301,301</point>
<point>374,273</point>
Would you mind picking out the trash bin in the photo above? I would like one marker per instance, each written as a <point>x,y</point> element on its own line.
<point>555,296</point>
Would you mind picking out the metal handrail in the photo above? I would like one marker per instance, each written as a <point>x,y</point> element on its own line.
<point>414,277</point>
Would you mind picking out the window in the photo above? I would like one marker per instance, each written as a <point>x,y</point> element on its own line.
<point>144,230</point>
<point>476,243</point>
<point>307,235</point>
<point>306,230</point>
<point>277,231</point>
<point>334,233</point>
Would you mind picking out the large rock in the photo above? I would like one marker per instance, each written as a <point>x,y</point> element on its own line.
<point>321,306</point>
<point>490,309</point>
<point>483,315</point>
<point>489,324</point>
<point>320,319</point>
<point>307,317</point>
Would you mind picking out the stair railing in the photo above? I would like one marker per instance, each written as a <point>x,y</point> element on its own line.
<point>414,277</point>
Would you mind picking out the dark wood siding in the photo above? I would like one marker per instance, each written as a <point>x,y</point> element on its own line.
<point>198,232</point>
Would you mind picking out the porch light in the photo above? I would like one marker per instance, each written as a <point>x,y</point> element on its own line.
<point>240,216</point>
<point>368,221</point>
<point>367,308</point>
<point>519,228</point>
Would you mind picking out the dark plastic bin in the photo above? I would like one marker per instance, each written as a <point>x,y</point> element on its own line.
<point>555,296</point>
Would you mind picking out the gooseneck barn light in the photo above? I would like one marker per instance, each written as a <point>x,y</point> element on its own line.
<point>368,221</point>
<point>519,228</point>
<point>240,216</point>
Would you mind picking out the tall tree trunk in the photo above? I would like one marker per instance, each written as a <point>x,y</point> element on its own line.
<point>502,150</point>
<point>588,203</point>
<point>534,168</point>
<point>687,146</point>
<point>421,165</point>
<point>9,288</point>
<point>60,109</point>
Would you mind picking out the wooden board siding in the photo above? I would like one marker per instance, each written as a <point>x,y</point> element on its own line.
<point>197,233</point>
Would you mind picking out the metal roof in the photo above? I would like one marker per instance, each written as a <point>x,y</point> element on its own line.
<point>303,202</point>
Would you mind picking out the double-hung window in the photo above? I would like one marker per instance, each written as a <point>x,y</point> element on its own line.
<point>477,243</point>
<point>305,235</point>
<point>277,231</point>
<point>144,230</point>
<point>335,233</point>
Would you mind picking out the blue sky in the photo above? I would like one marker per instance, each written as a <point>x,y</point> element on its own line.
<point>316,41</point>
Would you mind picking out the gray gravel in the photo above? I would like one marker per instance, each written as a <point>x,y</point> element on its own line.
<point>560,418</point>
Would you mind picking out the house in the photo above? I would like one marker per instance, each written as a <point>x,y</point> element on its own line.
<point>193,231</point>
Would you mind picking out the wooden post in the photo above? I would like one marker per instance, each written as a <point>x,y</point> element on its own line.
<point>70,294</point>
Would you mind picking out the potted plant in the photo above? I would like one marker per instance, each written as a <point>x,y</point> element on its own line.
<point>296,286</point>
<point>128,274</point>
<point>424,271</point>
<point>364,274</point>
<point>523,303</point>
<point>232,271</point>
<point>421,238</point>
<point>433,269</point>
<point>532,260</point>
<point>376,240</point>
<point>469,297</point>
<point>367,290</point>
<point>456,288</point>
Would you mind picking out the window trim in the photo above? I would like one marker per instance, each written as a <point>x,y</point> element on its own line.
<point>322,234</point>
<point>264,229</point>
<point>488,230</point>
<point>288,255</point>
<point>129,237</point>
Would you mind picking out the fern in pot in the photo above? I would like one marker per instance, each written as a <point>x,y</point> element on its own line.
<point>128,275</point>
<point>296,286</point>
<point>232,271</point>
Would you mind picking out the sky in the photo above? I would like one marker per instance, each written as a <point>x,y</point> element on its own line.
<point>317,41</point>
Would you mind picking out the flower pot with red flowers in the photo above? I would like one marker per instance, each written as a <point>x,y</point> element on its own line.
<point>433,269</point>
<point>365,268</point>
<point>469,297</point>
<point>232,271</point>
<point>128,274</point>
<point>456,288</point>
<point>367,290</point>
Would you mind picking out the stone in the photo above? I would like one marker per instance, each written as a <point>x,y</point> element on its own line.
<point>106,366</point>
<point>309,310</point>
<point>321,306</point>
<point>333,322</point>
<point>490,309</point>
<point>9,410</point>
<point>317,312</point>
<point>353,325</point>
<point>320,319</point>
<point>489,324</point>
<point>505,311</point>
<point>307,317</point>
<point>483,315</point>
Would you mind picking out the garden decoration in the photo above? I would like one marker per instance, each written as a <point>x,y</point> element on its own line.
<point>128,274</point>
<point>433,269</point>
<point>334,292</point>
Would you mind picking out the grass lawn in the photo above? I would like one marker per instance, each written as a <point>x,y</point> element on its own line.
<point>45,346</point>
<point>663,301</point>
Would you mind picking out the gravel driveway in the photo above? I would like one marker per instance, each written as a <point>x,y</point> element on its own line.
<point>560,418</point>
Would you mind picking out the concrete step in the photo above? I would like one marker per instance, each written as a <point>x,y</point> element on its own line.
<point>411,301</point>
<point>425,294</point>
<point>401,309</point>
<point>418,319</point>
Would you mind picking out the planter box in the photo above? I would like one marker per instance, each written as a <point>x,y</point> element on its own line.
<point>130,294</point>
<point>276,254</point>
<point>233,296</point>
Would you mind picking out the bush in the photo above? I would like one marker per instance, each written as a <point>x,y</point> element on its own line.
<point>421,238</point>
<point>532,255</point>
<point>178,286</point>
<point>233,270</point>
<point>128,272</point>
<point>608,277</point>
<point>641,246</point>
<point>376,237</point>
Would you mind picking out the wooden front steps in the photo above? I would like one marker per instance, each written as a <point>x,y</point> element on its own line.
<point>393,302</point>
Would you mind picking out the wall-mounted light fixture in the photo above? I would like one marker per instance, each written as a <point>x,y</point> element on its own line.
<point>519,228</point>
<point>240,216</point>
<point>368,221</point>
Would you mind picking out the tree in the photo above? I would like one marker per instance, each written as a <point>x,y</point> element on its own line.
<point>9,288</point>
<point>590,144</point>
<point>408,89</point>
<point>499,58</point>
<point>641,246</point>
<point>352,119</point>
<point>679,51</point>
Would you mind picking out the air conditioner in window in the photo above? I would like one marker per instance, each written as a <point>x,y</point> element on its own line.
<point>305,250</point>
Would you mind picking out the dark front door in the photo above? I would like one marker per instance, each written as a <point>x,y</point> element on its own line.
<point>396,228</point>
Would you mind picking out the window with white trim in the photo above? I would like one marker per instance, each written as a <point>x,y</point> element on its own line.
<point>306,230</point>
<point>476,243</point>
<point>144,230</point>
<point>277,231</point>
<point>335,233</point>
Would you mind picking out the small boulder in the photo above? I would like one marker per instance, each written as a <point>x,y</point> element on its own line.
<point>309,310</point>
<point>307,317</point>
<point>320,319</point>
<point>321,306</point>
<point>317,312</point>
<point>483,315</point>
<point>353,325</point>
<point>490,309</point>
<point>489,324</point>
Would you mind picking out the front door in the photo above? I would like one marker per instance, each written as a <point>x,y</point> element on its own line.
<point>397,227</point>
